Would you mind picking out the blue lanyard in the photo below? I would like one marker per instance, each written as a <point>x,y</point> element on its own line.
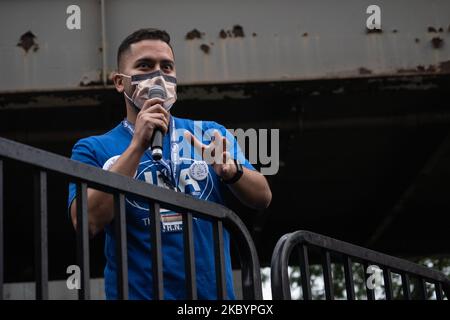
<point>171,167</point>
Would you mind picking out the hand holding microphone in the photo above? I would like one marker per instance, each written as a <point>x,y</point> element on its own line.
<point>152,123</point>
<point>157,140</point>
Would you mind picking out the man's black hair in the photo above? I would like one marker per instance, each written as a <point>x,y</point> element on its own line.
<point>142,34</point>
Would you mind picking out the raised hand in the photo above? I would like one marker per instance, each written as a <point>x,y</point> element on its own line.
<point>215,154</point>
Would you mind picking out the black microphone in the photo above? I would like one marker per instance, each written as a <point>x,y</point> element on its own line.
<point>157,91</point>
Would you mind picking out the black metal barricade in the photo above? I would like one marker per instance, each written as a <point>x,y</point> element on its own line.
<point>300,243</point>
<point>85,177</point>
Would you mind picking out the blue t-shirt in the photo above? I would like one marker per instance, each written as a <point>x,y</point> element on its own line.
<point>101,151</point>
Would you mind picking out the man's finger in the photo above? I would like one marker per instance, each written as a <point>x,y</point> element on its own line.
<point>220,144</point>
<point>159,116</point>
<point>161,125</point>
<point>217,137</point>
<point>226,157</point>
<point>224,150</point>
<point>195,142</point>
<point>157,108</point>
<point>150,102</point>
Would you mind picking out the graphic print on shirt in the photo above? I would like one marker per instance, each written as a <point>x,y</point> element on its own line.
<point>152,172</point>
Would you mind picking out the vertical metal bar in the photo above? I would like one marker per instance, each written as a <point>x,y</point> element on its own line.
<point>438,289</point>
<point>370,292</point>
<point>1,230</point>
<point>40,235</point>
<point>120,226</point>
<point>422,289</point>
<point>83,241</point>
<point>388,284</point>
<point>406,286</point>
<point>349,283</point>
<point>304,271</point>
<point>104,60</point>
<point>156,247</point>
<point>327,277</point>
<point>219,260</point>
<point>189,257</point>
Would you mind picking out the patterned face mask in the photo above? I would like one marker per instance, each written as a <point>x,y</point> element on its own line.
<point>144,82</point>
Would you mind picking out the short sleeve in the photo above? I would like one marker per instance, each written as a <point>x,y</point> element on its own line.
<point>84,152</point>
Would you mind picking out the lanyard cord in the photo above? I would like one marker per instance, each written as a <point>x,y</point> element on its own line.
<point>170,169</point>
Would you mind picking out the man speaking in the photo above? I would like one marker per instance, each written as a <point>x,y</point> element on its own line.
<point>147,78</point>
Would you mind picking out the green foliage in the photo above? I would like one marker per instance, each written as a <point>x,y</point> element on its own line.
<point>317,283</point>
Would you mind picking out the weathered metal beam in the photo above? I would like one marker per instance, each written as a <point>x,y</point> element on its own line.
<point>307,39</point>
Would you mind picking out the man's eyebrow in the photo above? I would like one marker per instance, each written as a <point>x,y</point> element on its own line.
<point>151,60</point>
<point>167,61</point>
<point>144,60</point>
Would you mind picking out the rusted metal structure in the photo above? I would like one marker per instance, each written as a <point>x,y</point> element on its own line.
<point>223,42</point>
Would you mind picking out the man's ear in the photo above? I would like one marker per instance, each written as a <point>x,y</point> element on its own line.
<point>118,82</point>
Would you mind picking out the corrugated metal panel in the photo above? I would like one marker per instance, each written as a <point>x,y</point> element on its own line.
<point>282,40</point>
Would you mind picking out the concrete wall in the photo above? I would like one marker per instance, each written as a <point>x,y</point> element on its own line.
<point>58,289</point>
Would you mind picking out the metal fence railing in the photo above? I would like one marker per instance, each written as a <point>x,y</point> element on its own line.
<point>300,243</point>
<point>85,177</point>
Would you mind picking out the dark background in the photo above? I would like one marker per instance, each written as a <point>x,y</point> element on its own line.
<point>361,160</point>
